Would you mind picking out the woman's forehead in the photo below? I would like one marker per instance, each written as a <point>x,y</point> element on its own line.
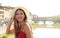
<point>19,11</point>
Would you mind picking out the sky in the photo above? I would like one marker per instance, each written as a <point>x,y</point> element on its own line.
<point>42,8</point>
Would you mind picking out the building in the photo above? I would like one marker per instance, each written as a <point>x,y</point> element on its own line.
<point>5,13</point>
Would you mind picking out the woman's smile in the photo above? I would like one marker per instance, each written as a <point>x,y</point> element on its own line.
<point>19,15</point>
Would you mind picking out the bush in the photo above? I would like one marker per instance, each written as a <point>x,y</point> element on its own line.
<point>4,37</point>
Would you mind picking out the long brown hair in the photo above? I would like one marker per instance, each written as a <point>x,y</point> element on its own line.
<point>16,23</point>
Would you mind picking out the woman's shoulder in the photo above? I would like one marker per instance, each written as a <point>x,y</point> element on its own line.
<point>27,26</point>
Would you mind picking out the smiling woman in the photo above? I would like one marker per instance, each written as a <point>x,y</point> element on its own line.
<point>22,28</point>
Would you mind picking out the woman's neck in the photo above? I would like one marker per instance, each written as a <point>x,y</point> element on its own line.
<point>22,23</point>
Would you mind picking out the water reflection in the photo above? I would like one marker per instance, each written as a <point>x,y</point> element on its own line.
<point>41,22</point>
<point>49,23</point>
<point>46,33</point>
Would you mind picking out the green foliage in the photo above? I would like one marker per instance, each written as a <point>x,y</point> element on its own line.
<point>7,36</point>
<point>33,23</point>
<point>4,37</point>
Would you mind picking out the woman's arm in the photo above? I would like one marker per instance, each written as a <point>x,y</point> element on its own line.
<point>28,31</point>
<point>8,31</point>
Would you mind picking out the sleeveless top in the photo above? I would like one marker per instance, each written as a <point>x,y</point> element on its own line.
<point>21,34</point>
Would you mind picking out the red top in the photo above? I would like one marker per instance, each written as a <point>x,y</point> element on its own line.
<point>21,34</point>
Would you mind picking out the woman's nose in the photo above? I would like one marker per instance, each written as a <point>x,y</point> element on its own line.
<point>19,14</point>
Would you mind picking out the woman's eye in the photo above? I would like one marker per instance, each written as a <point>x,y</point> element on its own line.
<point>20,13</point>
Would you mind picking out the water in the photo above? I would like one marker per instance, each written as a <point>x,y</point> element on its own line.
<point>46,33</point>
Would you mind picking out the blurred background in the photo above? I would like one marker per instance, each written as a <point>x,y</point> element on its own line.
<point>45,16</point>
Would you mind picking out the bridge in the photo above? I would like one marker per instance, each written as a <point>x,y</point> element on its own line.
<point>55,19</point>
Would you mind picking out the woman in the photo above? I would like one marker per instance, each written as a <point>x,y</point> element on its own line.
<point>22,28</point>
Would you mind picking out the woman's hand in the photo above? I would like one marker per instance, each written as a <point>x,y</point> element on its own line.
<point>12,18</point>
<point>9,25</point>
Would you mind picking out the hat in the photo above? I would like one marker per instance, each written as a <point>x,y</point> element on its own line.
<point>26,12</point>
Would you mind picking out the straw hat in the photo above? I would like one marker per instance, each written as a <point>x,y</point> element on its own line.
<point>26,11</point>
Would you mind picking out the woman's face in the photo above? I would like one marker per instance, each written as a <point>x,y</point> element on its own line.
<point>19,15</point>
